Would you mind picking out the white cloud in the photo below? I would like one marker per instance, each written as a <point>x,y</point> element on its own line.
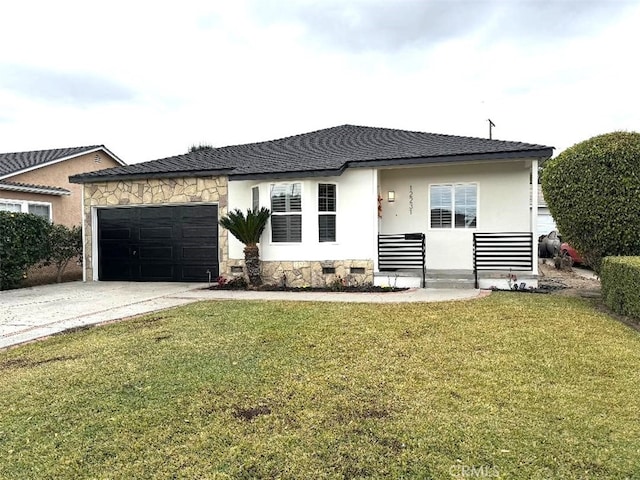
<point>152,78</point>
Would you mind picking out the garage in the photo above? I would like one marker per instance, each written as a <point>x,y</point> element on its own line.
<point>158,243</point>
<point>546,223</point>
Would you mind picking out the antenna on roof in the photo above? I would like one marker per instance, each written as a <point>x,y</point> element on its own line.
<point>491,125</point>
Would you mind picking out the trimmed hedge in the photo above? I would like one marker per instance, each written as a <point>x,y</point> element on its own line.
<point>620,277</point>
<point>22,245</point>
<point>592,190</point>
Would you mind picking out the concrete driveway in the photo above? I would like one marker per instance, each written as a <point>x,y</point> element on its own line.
<point>30,313</point>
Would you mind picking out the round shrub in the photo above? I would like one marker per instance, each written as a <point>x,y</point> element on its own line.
<point>593,193</point>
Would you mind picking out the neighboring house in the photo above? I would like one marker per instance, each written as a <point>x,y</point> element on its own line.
<point>546,223</point>
<point>333,193</point>
<point>38,181</point>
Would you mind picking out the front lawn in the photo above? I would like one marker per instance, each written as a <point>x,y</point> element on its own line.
<point>520,386</point>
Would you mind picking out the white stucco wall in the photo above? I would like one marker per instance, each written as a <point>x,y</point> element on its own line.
<point>356,220</point>
<point>503,205</point>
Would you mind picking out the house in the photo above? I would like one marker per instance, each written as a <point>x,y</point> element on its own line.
<point>38,181</point>
<point>546,223</point>
<point>336,196</point>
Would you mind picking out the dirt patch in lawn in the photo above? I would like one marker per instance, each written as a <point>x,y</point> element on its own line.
<point>28,363</point>
<point>248,414</point>
<point>566,282</point>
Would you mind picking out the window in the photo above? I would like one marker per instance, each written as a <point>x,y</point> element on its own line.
<point>255,198</point>
<point>8,206</point>
<point>286,213</point>
<point>454,206</point>
<point>465,205</point>
<point>327,212</point>
<point>441,203</point>
<point>40,209</point>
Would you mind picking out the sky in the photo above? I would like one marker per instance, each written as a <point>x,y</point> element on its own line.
<point>150,79</point>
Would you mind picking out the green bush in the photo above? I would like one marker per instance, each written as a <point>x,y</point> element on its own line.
<point>27,240</point>
<point>620,277</point>
<point>64,244</point>
<point>23,244</point>
<point>593,193</point>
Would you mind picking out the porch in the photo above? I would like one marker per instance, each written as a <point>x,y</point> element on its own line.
<point>475,220</point>
<point>500,260</point>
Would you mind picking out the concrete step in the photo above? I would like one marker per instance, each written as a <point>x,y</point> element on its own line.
<point>453,278</point>
<point>434,278</point>
<point>450,279</point>
<point>450,283</point>
<point>450,274</point>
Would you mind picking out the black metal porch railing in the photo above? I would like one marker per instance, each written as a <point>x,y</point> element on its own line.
<point>400,251</point>
<point>502,251</point>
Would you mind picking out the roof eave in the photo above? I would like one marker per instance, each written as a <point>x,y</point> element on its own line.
<point>82,178</point>
<point>538,153</point>
<point>515,155</point>
<point>33,189</point>
<point>332,172</point>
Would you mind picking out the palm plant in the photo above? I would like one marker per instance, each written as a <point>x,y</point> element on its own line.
<point>248,230</point>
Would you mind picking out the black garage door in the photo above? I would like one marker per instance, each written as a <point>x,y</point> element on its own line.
<point>169,244</point>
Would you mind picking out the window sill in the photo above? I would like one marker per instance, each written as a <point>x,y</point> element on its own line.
<point>474,229</point>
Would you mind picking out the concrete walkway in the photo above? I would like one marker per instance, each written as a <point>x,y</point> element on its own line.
<point>31,313</point>
<point>586,273</point>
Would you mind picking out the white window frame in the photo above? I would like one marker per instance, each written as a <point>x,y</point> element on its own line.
<point>255,195</point>
<point>287,213</point>
<point>452,186</point>
<point>333,212</point>
<point>24,205</point>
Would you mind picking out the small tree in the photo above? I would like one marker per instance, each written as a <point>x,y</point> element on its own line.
<point>593,193</point>
<point>22,245</point>
<point>64,244</point>
<point>248,229</point>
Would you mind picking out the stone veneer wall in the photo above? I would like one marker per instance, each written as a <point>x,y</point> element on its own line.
<point>156,192</point>
<point>309,273</point>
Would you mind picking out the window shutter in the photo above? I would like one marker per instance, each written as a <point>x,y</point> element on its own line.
<point>285,226</point>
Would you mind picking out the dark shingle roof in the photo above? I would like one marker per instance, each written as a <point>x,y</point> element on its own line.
<point>11,163</point>
<point>325,152</point>
<point>18,161</point>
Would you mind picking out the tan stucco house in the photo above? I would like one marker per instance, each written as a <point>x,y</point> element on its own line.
<point>38,181</point>
<point>365,204</point>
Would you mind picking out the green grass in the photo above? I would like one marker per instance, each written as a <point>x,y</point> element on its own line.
<point>521,386</point>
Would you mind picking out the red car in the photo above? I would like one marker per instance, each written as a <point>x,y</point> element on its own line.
<point>566,249</point>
